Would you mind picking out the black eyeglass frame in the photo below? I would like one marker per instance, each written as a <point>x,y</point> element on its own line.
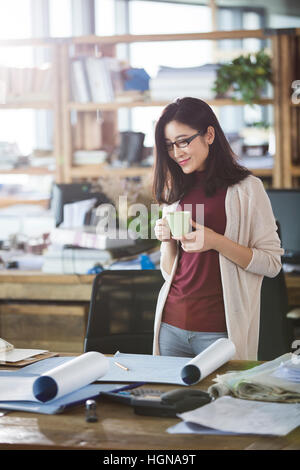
<point>187,141</point>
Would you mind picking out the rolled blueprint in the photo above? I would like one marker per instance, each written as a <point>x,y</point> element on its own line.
<point>208,361</point>
<point>56,382</point>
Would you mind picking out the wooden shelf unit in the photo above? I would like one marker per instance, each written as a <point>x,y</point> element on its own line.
<point>286,114</point>
<point>287,50</point>
<point>113,106</point>
<point>27,102</point>
<point>108,43</point>
<point>27,105</point>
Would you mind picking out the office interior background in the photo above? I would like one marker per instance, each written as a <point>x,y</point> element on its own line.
<point>82,83</point>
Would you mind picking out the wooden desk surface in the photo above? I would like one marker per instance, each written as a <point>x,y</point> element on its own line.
<point>35,285</point>
<point>119,428</point>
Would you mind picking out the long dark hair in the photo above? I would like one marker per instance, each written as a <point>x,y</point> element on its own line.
<point>221,167</point>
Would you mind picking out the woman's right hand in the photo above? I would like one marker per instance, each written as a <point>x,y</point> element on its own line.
<point>162,230</point>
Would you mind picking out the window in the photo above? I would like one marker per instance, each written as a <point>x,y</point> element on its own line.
<point>60,18</point>
<point>162,18</point>
<point>233,118</point>
<point>104,17</point>
<point>16,126</point>
<point>15,19</point>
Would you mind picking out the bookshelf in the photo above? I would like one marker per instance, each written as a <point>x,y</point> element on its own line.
<point>288,53</point>
<point>107,44</point>
<point>68,138</point>
<point>38,90</point>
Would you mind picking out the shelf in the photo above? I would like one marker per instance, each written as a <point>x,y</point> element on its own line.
<point>132,38</point>
<point>295,170</point>
<point>67,137</point>
<point>262,172</point>
<point>82,107</point>
<point>27,171</point>
<point>31,42</point>
<point>27,105</point>
<point>12,201</point>
<point>96,171</point>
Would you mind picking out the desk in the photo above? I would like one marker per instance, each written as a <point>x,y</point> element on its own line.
<point>119,428</point>
<point>43,304</point>
<point>35,285</point>
<point>50,310</point>
<point>38,286</point>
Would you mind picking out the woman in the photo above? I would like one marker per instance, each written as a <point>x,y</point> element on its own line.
<point>211,289</point>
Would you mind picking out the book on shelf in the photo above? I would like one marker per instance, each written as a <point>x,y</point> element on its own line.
<point>26,84</point>
<point>99,80</point>
<point>89,157</point>
<point>79,83</point>
<point>95,79</point>
<point>87,132</point>
<point>128,96</point>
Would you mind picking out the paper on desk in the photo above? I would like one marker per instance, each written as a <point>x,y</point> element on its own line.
<point>185,427</point>
<point>54,383</point>
<point>16,354</point>
<point>271,381</point>
<point>246,417</point>
<point>170,369</point>
<point>145,368</point>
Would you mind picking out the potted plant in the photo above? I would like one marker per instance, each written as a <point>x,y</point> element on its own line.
<point>244,78</point>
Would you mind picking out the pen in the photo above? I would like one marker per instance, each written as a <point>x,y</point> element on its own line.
<point>120,365</point>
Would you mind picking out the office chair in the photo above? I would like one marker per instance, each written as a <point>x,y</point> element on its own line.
<point>122,309</point>
<point>275,337</point>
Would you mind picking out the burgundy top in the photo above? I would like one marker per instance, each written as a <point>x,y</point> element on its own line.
<point>195,300</point>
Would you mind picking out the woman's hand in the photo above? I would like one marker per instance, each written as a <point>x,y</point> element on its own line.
<point>202,239</point>
<point>162,230</point>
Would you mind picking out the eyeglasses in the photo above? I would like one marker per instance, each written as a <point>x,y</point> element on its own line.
<point>182,143</point>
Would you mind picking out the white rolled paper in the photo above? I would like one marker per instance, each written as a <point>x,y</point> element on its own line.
<point>71,376</point>
<point>59,381</point>
<point>208,361</point>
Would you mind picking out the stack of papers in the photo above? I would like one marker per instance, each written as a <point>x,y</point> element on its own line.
<point>16,355</point>
<point>232,415</point>
<point>274,381</point>
<point>173,82</point>
<point>289,371</point>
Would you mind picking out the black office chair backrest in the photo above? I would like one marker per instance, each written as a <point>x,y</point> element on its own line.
<point>275,334</point>
<point>122,309</point>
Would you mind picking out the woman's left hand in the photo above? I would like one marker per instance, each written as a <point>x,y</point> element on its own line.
<point>202,239</point>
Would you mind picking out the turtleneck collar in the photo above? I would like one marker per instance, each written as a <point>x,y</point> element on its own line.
<point>199,175</point>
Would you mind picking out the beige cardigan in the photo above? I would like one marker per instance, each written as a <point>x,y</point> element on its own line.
<point>251,223</point>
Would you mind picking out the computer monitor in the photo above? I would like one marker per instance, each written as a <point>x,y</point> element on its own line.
<point>67,193</point>
<point>286,208</point>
